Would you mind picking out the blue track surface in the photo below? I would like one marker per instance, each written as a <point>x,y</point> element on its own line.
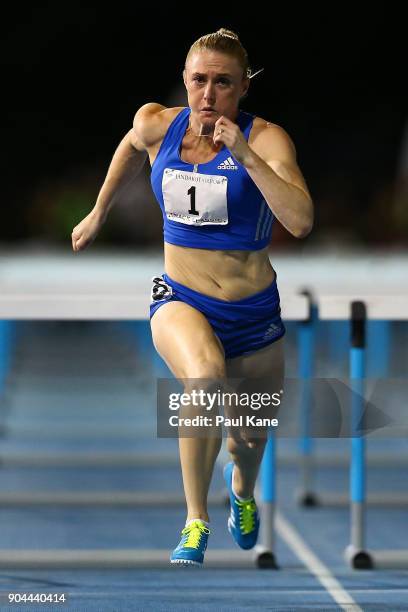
<point>90,379</point>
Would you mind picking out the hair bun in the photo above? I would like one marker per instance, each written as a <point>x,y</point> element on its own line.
<point>228,33</point>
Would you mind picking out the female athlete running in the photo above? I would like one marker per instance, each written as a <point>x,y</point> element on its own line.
<point>221,176</point>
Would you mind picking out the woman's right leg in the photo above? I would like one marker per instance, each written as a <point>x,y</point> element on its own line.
<point>186,341</point>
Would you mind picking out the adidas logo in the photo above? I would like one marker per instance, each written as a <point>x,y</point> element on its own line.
<point>271,331</point>
<point>228,164</point>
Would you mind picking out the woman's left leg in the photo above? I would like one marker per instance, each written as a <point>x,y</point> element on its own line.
<point>246,451</point>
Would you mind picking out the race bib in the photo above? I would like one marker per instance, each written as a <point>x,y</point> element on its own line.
<point>195,199</point>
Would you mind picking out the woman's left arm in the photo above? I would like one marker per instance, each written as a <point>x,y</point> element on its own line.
<point>270,161</point>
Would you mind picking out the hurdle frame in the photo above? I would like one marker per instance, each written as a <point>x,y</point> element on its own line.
<point>356,309</point>
<point>43,306</point>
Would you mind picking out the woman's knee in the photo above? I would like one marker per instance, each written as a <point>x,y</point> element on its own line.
<point>209,367</point>
<point>239,447</point>
<point>205,376</point>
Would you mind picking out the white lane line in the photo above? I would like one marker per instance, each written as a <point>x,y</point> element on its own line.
<point>316,567</point>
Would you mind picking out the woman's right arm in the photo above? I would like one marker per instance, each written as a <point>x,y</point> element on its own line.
<point>126,163</point>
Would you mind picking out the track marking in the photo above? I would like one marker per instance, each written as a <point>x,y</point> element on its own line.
<point>316,567</point>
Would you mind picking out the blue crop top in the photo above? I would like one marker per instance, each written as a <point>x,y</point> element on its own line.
<point>215,205</point>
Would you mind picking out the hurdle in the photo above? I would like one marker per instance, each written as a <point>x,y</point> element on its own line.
<point>122,304</point>
<point>334,278</point>
<point>357,309</point>
<point>307,495</point>
<point>295,307</point>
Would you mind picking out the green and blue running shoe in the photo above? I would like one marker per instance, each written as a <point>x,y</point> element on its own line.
<point>243,522</point>
<point>193,543</point>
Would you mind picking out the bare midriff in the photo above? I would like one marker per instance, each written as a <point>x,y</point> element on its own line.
<point>225,275</point>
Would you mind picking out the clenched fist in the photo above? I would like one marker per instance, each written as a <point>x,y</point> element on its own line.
<point>86,231</point>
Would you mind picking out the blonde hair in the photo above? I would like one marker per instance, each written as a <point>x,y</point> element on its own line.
<point>224,41</point>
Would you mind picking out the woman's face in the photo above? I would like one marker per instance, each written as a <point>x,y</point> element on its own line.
<point>214,85</point>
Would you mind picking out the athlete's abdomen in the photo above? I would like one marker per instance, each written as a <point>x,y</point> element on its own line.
<point>225,275</point>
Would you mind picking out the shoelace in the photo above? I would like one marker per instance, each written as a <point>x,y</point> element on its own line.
<point>247,511</point>
<point>193,533</point>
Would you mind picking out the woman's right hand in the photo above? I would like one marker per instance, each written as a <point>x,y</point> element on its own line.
<point>86,231</point>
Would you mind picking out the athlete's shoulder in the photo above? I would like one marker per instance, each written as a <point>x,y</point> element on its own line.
<point>271,135</point>
<point>151,123</point>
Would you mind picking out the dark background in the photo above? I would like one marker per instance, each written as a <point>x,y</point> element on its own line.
<point>74,76</point>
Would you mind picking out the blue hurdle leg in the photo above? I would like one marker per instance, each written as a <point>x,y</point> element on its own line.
<point>265,556</point>
<point>356,552</point>
<point>5,351</point>
<point>306,343</point>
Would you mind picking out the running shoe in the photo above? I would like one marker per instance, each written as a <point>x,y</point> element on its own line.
<point>243,521</point>
<point>192,546</point>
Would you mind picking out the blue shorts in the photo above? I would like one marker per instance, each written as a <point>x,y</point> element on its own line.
<point>243,326</point>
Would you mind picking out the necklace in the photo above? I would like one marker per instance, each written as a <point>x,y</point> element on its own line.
<point>190,129</point>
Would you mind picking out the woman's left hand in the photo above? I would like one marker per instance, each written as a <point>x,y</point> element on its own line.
<point>228,133</point>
